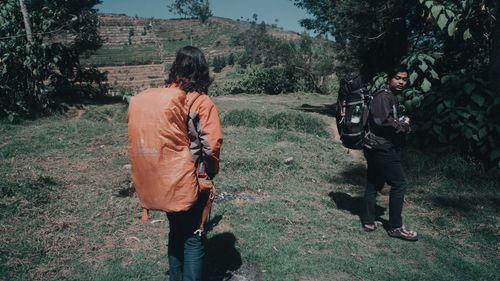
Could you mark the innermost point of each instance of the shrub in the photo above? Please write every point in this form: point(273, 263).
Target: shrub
point(271, 81)
point(283, 121)
point(244, 118)
point(299, 122)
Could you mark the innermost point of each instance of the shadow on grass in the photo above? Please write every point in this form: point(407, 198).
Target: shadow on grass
point(221, 257)
point(495, 202)
point(461, 204)
point(466, 204)
point(126, 190)
point(325, 109)
point(352, 175)
point(213, 222)
point(354, 205)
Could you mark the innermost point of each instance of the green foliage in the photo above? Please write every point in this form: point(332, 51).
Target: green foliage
point(301, 65)
point(244, 59)
point(422, 76)
point(199, 9)
point(231, 59)
point(370, 36)
point(272, 81)
point(464, 115)
point(458, 110)
point(36, 75)
point(452, 52)
point(219, 63)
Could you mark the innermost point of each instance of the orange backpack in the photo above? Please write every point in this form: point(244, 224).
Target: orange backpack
point(163, 171)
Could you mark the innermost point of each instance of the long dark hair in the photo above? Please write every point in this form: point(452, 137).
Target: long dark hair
point(190, 70)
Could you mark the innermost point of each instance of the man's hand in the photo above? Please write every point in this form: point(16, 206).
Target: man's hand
point(405, 119)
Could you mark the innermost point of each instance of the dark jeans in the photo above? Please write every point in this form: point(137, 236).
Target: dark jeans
point(384, 166)
point(185, 249)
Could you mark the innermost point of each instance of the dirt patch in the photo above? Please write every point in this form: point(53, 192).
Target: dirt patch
point(238, 197)
point(75, 112)
point(337, 276)
point(247, 272)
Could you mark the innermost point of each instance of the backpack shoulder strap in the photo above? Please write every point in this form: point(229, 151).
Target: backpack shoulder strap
point(193, 101)
point(394, 102)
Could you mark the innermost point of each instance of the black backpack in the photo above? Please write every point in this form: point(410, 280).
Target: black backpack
point(352, 110)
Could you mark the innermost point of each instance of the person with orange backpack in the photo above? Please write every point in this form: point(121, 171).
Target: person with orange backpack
point(175, 138)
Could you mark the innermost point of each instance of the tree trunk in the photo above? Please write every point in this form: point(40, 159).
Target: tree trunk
point(27, 25)
point(495, 54)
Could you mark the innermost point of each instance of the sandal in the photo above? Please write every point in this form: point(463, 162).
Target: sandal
point(403, 233)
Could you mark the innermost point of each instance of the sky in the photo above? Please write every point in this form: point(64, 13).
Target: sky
point(284, 11)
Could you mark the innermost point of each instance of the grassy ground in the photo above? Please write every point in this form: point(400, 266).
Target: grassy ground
point(68, 211)
point(124, 55)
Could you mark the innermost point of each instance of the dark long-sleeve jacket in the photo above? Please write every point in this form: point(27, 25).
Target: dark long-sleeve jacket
point(383, 120)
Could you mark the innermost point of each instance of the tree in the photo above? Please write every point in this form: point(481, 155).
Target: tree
point(37, 73)
point(244, 60)
point(450, 48)
point(280, 65)
point(254, 40)
point(199, 9)
point(361, 29)
point(222, 60)
point(495, 54)
point(231, 59)
point(255, 17)
point(218, 64)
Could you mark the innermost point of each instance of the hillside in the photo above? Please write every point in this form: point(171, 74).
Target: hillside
point(149, 43)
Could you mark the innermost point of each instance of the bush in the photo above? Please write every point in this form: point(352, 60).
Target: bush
point(243, 118)
point(463, 115)
point(283, 121)
point(299, 122)
point(274, 80)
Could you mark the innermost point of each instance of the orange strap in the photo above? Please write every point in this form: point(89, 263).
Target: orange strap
point(145, 216)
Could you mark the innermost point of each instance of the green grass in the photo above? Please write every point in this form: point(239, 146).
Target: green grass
point(289, 121)
point(147, 53)
point(66, 213)
point(203, 36)
point(124, 55)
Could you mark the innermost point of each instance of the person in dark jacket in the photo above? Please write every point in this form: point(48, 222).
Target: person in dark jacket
point(387, 129)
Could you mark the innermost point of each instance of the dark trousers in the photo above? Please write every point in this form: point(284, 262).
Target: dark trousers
point(185, 249)
point(384, 166)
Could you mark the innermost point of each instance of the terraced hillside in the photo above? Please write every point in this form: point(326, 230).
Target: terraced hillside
point(135, 76)
point(135, 49)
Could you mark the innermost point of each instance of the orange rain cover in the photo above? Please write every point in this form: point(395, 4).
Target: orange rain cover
point(163, 171)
